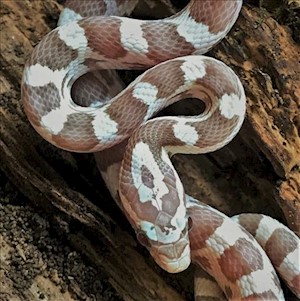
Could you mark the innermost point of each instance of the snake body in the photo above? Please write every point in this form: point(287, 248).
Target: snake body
point(66, 106)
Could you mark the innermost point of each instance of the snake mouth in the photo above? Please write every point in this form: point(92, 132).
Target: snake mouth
point(174, 257)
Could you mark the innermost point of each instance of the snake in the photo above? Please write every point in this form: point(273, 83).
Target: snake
point(74, 99)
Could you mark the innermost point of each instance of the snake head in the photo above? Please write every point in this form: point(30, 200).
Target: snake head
point(153, 199)
point(165, 237)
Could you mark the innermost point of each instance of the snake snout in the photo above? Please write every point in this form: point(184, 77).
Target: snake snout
point(174, 257)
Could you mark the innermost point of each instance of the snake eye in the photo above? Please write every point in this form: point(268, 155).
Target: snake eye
point(143, 239)
point(190, 223)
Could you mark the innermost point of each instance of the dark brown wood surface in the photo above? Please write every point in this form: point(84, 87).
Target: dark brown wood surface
point(257, 172)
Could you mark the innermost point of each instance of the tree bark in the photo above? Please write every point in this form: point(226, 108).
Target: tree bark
point(258, 172)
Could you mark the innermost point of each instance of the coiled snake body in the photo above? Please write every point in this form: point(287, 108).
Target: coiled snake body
point(89, 119)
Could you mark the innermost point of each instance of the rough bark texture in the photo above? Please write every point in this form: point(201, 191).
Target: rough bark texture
point(70, 209)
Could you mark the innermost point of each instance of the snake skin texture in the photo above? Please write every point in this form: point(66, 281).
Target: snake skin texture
point(74, 99)
point(150, 189)
point(72, 50)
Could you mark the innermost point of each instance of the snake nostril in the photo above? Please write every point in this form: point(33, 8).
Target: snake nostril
point(190, 223)
point(143, 239)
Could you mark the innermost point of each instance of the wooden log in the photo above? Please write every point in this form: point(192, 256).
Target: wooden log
point(257, 172)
